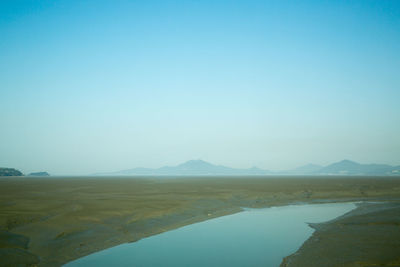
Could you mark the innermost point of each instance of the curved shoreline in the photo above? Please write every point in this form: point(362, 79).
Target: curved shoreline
point(366, 236)
point(68, 218)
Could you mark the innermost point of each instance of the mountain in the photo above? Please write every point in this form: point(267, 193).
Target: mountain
point(10, 172)
point(192, 167)
point(348, 167)
point(200, 167)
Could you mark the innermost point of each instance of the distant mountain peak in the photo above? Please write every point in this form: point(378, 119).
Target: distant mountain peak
point(348, 167)
point(195, 163)
point(193, 167)
point(344, 165)
point(346, 161)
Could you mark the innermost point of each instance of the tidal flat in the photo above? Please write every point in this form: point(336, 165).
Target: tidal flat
point(52, 221)
point(254, 237)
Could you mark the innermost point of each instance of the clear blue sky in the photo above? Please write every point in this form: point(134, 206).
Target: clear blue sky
point(91, 86)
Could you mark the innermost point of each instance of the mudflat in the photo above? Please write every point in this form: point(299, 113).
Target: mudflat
point(366, 236)
point(51, 221)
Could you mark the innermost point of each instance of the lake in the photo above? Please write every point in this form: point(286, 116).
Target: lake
point(254, 237)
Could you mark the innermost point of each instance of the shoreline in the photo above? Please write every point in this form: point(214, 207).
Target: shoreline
point(72, 218)
point(366, 236)
point(286, 261)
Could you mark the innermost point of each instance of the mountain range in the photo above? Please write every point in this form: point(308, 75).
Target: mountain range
point(192, 167)
point(200, 167)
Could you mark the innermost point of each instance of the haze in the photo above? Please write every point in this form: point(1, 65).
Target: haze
point(101, 86)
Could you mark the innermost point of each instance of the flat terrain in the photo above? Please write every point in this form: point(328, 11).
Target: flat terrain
point(50, 221)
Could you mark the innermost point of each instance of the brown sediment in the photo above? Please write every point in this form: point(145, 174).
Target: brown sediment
point(67, 218)
point(365, 237)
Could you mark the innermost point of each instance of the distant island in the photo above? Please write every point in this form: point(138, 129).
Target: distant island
point(15, 172)
point(10, 172)
point(39, 174)
point(200, 167)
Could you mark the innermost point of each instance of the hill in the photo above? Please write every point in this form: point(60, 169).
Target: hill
point(10, 172)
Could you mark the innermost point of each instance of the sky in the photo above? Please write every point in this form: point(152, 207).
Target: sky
point(96, 86)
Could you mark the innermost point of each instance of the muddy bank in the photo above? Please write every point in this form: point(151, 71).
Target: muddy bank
point(366, 236)
point(63, 219)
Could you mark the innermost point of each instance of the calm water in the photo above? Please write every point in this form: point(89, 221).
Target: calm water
point(255, 237)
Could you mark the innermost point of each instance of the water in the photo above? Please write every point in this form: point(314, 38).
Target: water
point(255, 237)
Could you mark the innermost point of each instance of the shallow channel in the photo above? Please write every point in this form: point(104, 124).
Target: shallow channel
point(254, 237)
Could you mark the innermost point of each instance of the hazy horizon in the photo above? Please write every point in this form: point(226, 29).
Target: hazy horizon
point(101, 86)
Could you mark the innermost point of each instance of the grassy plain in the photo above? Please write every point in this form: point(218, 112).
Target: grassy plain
point(51, 221)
